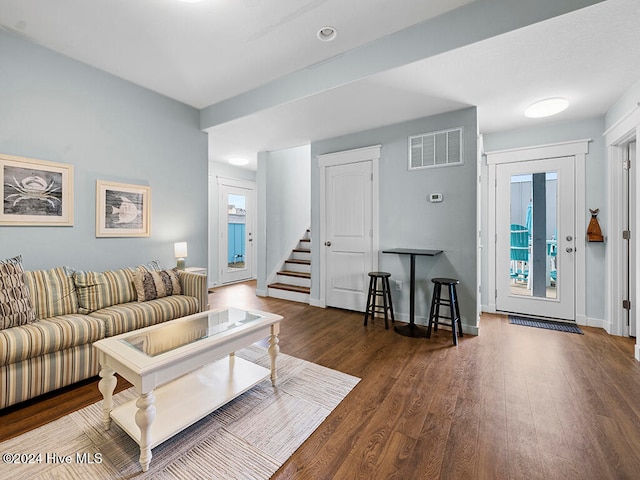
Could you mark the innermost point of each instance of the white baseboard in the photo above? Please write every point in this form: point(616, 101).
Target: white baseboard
point(261, 293)
point(610, 328)
point(316, 302)
point(593, 322)
point(488, 308)
point(637, 352)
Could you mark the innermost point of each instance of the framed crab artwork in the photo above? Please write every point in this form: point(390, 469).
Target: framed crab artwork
point(35, 192)
point(122, 210)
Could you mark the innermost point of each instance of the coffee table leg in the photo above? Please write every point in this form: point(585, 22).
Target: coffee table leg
point(107, 385)
point(144, 418)
point(273, 350)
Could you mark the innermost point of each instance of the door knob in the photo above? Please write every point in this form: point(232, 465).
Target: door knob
point(569, 249)
point(569, 238)
point(327, 243)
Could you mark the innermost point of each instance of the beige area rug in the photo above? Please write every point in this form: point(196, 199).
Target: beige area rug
point(249, 438)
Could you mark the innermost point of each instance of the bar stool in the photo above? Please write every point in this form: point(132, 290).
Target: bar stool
point(451, 303)
point(374, 292)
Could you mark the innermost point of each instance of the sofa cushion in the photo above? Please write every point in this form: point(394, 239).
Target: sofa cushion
point(97, 290)
point(130, 316)
point(52, 292)
point(152, 285)
point(15, 302)
point(48, 335)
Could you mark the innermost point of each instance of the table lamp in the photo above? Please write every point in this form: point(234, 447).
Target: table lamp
point(180, 251)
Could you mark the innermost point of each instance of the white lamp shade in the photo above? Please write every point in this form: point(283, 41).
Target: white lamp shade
point(180, 249)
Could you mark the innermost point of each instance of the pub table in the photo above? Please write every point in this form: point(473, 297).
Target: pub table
point(411, 329)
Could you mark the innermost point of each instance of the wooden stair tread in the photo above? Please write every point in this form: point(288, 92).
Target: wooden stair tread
point(294, 274)
point(291, 288)
point(305, 239)
point(301, 262)
point(302, 250)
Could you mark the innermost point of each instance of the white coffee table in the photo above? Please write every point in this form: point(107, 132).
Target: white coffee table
point(182, 370)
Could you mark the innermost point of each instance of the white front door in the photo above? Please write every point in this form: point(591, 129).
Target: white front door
point(349, 234)
point(236, 232)
point(535, 238)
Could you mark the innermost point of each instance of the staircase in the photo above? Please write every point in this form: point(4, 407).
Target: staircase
point(293, 280)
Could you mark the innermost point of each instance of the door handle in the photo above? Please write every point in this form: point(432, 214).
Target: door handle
point(569, 249)
point(327, 243)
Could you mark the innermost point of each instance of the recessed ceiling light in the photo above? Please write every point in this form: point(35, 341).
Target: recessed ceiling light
point(326, 34)
point(546, 107)
point(238, 161)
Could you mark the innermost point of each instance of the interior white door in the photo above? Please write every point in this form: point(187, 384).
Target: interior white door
point(236, 233)
point(535, 238)
point(349, 234)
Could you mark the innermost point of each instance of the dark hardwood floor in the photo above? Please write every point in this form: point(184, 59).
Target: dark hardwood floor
point(512, 403)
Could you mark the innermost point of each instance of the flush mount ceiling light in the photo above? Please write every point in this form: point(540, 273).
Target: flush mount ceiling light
point(238, 161)
point(326, 34)
point(546, 107)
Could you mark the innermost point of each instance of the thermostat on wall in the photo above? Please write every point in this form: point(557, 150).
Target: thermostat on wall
point(435, 197)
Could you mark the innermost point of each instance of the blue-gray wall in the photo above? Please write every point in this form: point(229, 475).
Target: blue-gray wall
point(285, 183)
point(57, 109)
point(408, 219)
point(595, 183)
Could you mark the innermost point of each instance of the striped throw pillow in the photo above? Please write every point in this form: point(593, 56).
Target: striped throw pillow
point(152, 285)
point(97, 290)
point(52, 292)
point(15, 303)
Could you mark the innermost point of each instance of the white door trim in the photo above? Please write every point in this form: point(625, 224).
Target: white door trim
point(578, 149)
point(371, 153)
point(616, 136)
point(236, 182)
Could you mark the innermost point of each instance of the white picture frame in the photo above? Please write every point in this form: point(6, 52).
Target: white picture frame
point(35, 192)
point(122, 210)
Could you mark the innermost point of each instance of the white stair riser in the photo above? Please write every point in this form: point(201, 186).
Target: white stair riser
point(301, 255)
point(296, 267)
point(288, 295)
point(289, 280)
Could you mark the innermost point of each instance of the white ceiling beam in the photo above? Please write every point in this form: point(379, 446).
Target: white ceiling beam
point(474, 22)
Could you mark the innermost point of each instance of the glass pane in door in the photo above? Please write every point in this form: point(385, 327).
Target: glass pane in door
point(237, 231)
point(533, 267)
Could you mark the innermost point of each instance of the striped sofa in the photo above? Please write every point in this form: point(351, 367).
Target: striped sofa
point(73, 310)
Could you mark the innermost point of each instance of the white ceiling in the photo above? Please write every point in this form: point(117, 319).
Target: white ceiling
point(207, 52)
point(202, 53)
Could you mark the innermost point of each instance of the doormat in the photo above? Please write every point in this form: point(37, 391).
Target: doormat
point(547, 324)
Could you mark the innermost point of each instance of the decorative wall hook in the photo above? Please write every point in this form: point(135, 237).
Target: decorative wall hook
point(594, 234)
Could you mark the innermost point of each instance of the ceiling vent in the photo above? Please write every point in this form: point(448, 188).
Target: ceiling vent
point(436, 149)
